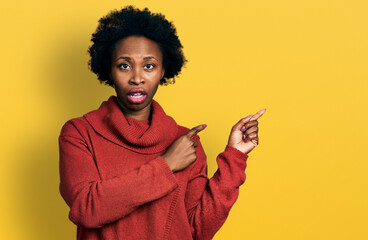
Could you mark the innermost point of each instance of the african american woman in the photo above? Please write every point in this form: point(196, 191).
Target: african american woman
point(127, 170)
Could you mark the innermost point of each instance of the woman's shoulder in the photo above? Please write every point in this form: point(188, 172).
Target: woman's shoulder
point(74, 127)
point(81, 125)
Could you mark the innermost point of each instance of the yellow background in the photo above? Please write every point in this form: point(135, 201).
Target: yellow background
point(304, 60)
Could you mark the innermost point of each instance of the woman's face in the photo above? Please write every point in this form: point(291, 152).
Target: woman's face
point(136, 71)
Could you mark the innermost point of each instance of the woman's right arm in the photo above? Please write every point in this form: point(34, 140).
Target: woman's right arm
point(94, 202)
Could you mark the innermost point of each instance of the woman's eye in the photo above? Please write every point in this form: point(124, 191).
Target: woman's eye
point(124, 66)
point(149, 66)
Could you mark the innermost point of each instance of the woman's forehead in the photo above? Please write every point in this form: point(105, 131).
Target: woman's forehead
point(137, 47)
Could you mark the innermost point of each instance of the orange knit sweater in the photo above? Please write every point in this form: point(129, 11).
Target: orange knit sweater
point(117, 185)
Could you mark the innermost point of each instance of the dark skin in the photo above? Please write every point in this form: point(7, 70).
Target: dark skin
point(137, 64)
point(243, 136)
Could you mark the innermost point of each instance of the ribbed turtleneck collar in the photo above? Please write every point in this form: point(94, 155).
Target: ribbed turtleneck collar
point(138, 136)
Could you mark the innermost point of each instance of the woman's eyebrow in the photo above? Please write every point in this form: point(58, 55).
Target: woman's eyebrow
point(145, 58)
point(128, 58)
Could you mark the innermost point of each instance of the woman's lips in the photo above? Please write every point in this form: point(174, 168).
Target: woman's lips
point(136, 96)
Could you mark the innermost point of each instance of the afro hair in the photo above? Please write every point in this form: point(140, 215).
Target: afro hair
point(131, 21)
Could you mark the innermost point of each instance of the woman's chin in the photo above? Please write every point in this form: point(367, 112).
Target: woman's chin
point(137, 104)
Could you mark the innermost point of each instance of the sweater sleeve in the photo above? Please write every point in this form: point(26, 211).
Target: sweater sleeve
point(208, 201)
point(94, 202)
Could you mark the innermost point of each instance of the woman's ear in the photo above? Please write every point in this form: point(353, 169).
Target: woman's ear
point(163, 73)
point(113, 84)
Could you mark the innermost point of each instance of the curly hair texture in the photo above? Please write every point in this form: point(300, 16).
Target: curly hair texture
point(131, 21)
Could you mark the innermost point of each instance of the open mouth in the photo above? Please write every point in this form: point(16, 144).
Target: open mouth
point(137, 96)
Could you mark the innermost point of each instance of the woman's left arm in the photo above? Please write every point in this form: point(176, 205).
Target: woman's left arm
point(208, 201)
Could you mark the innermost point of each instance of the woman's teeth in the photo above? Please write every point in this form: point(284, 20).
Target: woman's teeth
point(136, 95)
point(137, 98)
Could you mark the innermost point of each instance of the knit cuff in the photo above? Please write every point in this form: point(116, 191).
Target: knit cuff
point(167, 171)
point(237, 154)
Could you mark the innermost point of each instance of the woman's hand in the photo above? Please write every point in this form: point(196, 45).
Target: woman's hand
point(244, 135)
point(182, 152)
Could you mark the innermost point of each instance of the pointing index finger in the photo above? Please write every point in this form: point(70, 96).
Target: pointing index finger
point(192, 132)
point(257, 115)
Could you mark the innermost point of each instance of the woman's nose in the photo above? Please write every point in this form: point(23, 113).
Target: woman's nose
point(137, 77)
